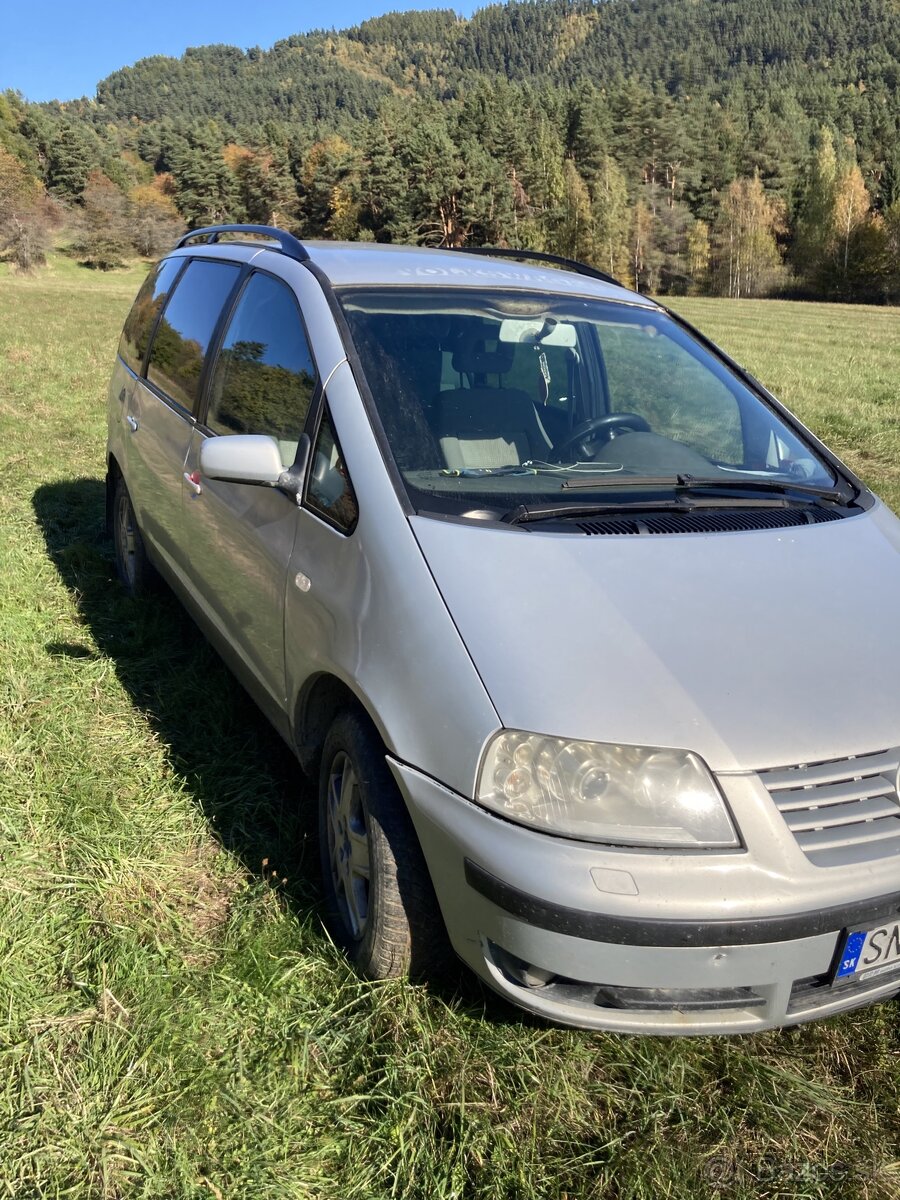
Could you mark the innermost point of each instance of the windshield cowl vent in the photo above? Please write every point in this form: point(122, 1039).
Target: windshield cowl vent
point(708, 520)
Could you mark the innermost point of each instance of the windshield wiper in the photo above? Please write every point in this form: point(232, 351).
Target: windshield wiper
point(685, 484)
point(524, 513)
point(776, 495)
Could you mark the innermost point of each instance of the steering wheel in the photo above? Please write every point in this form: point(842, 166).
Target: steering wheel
point(590, 431)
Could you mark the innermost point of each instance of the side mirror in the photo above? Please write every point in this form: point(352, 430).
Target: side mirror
point(242, 458)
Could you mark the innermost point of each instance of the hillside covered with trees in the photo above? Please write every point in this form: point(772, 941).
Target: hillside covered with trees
point(739, 147)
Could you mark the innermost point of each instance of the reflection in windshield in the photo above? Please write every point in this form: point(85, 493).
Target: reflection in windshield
point(502, 398)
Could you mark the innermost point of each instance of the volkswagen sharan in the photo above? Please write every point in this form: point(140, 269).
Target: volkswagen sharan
point(592, 648)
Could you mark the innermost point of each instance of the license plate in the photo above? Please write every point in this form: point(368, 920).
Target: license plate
point(869, 951)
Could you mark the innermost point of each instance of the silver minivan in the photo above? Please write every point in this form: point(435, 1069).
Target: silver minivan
point(592, 647)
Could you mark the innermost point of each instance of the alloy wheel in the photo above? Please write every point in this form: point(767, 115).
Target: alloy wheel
point(125, 538)
point(348, 845)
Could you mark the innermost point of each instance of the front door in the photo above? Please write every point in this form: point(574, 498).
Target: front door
point(241, 537)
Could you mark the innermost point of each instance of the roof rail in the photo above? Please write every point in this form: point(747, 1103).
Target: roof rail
point(571, 264)
point(287, 243)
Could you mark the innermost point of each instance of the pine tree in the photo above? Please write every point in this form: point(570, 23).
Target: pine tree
point(69, 162)
point(329, 182)
point(384, 200)
point(588, 132)
point(892, 252)
point(268, 195)
point(206, 190)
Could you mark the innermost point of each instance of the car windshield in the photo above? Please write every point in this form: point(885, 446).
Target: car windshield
point(493, 399)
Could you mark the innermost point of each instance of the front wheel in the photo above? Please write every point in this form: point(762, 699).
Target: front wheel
point(381, 906)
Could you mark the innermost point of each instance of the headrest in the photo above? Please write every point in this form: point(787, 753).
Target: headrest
point(476, 354)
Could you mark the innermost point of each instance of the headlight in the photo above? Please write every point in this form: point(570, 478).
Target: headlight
point(625, 795)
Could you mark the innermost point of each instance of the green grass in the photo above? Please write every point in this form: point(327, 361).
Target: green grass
point(837, 366)
point(175, 1021)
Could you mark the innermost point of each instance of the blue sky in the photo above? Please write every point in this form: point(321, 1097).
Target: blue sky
point(61, 49)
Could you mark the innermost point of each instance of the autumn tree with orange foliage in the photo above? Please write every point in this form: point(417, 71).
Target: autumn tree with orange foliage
point(27, 215)
point(155, 221)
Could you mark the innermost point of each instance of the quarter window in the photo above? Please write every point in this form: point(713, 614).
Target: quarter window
point(264, 377)
point(140, 321)
point(186, 328)
point(329, 491)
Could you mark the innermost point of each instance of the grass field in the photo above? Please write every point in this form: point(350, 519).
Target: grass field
point(176, 1023)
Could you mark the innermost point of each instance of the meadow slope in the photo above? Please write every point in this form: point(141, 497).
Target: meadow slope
point(176, 1023)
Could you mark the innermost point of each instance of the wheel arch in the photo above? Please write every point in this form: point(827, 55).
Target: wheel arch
point(318, 703)
point(113, 475)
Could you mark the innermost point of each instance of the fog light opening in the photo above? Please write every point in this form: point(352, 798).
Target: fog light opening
point(520, 972)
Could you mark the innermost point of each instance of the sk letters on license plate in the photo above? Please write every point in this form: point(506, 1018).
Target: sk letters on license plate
point(869, 951)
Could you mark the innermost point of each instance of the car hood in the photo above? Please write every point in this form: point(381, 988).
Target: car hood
point(754, 649)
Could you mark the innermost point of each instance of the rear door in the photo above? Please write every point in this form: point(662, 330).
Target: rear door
point(133, 346)
point(241, 537)
point(159, 413)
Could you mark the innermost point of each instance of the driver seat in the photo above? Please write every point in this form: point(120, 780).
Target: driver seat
point(484, 426)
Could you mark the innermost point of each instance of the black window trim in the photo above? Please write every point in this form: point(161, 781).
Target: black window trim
point(218, 340)
point(370, 408)
point(157, 391)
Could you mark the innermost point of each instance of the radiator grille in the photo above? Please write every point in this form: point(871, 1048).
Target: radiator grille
point(843, 811)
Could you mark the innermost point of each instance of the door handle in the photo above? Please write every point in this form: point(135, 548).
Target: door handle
point(132, 423)
point(192, 479)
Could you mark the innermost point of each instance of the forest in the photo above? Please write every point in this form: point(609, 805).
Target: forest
point(727, 147)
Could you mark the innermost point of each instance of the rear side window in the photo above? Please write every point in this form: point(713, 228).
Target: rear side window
point(186, 327)
point(264, 376)
point(140, 321)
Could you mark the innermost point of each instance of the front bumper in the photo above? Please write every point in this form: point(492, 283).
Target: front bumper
point(643, 942)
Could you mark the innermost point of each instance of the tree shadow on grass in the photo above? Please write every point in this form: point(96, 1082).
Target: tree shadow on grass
point(241, 775)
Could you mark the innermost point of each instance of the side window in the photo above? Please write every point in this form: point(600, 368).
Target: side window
point(649, 374)
point(140, 321)
point(329, 491)
point(264, 376)
point(187, 324)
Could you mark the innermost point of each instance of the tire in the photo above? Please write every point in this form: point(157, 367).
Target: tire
point(380, 905)
point(136, 573)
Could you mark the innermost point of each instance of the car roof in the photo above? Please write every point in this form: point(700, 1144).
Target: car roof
point(372, 264)
point(379, 264)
